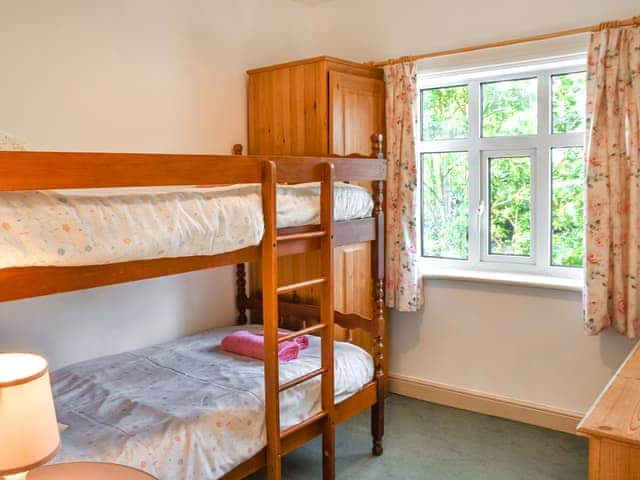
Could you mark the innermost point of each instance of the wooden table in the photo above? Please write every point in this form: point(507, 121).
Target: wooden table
point(612, 425)
point(88, 471)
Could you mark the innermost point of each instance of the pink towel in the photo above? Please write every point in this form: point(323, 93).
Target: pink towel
point(243, 342)
point(302, 340)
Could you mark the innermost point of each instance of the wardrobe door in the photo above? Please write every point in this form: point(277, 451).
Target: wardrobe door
point(287, 110)
point(356, 111)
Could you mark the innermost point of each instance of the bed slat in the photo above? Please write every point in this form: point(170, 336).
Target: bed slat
point(60, 170)
point(28, 282)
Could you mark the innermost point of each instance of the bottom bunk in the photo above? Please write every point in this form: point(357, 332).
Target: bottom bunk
point(188, 409)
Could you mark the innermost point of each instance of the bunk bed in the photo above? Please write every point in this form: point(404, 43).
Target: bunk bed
point(40, 172)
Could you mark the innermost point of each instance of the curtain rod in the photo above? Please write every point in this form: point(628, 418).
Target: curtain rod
point(534, 38)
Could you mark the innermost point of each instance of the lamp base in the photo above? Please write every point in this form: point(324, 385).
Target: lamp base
point(87, 471)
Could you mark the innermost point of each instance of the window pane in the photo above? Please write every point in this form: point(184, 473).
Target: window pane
point(567, 206)
point(510, 108)
point(445, 113)
point(569, 102)
point(510, 206)
point(445, 205)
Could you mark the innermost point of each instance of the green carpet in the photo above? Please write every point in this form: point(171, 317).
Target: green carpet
point(431, 442)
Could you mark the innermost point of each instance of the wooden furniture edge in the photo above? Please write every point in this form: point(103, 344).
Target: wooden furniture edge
point(65, 170)
point(26, 282)
point(320, 58)
point(586, 427)
point(305, 312)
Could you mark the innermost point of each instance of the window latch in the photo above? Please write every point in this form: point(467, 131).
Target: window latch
point(480, 213)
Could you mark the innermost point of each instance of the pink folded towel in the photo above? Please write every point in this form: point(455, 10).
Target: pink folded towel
point(302, 340)
point(243, 342)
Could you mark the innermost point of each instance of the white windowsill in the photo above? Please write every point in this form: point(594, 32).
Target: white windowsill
point(518, 279)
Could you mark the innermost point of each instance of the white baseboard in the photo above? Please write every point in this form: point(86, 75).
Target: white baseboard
point(474, 401)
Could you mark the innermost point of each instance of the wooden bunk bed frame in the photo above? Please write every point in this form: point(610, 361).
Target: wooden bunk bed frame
point(57, 170)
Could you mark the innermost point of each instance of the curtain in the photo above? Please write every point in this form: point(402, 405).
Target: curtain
point(612, 268)
point(403, 282)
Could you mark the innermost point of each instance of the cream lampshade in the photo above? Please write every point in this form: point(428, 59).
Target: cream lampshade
point(28, 427)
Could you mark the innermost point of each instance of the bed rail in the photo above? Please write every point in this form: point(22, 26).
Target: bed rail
point(306, 314)
point(63, 170)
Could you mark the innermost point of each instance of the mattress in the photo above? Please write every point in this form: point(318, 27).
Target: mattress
point(100, 226)
point(186, 409)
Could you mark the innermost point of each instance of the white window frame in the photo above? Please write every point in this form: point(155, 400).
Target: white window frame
point(479, 148)
point(484, 220)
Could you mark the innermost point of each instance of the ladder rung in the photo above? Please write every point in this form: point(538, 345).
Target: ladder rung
point(296, 286)
point(300, 236)
point(318, 416)
point(299, 380)
point(299, 333)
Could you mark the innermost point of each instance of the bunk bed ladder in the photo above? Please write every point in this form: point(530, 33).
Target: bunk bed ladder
point(270, 292)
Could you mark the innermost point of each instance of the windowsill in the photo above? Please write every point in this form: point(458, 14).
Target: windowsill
point(501, 278)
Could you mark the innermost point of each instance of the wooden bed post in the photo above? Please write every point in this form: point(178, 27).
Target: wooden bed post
point(241, 293)
point(270, 319)
point(241, 273)
point(377, 410)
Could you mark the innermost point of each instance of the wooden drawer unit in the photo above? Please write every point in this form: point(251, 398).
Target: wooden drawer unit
point(612, 425)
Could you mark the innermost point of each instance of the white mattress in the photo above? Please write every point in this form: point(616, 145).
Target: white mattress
point(99, 226)
point(186, 409)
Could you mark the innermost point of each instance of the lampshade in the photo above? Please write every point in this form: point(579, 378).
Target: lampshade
point(28, 428)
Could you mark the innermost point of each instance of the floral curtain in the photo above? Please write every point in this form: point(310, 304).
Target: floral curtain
point(403, 282)
point(612, 271)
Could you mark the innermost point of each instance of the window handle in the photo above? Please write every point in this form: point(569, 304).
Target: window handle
point(480, 213)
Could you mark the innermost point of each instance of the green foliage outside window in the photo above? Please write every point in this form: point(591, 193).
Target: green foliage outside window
point(510, 206)
point(445, 205)
point(569, 102)
point(510, 108)
point(567, 207)
point(445, 113)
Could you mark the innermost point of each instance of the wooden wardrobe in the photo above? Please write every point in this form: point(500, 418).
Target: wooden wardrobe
point(319, 106)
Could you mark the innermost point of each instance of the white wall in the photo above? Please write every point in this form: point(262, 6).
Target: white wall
point(524, 343)
point(378, 29)
point(132, 75)
point(137, 75)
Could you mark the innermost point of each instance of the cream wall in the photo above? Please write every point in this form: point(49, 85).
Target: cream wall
point(378, 29)
point(525, 344)
point(132, 75)
point(520, 343)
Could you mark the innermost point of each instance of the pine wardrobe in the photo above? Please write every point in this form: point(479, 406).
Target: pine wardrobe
point(320, 106)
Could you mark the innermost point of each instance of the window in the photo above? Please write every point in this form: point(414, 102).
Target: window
point(510, 205)
point(446, 205)
point(502, 169)
point(509, 107)
point(445, 113)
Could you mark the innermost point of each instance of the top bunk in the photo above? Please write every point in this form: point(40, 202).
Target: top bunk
point(72, 221)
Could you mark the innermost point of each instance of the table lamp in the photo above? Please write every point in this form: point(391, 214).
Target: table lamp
point(28, 427)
